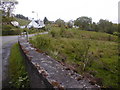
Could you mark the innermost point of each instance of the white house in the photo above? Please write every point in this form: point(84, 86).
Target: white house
point(22, 27)
point(14, 23)
point(36, 24)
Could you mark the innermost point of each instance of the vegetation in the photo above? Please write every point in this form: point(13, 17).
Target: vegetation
point(21, 16)
point(85, 23)
point(8, 7)
point(7, 28)
point(87, 52)
point(0, 23)
point(60, 22)
point(107, 26)
point(22, 22)
point(7, 20)
point(17, 71)
point(70, 24)
point(10, 30)
point(46, 21)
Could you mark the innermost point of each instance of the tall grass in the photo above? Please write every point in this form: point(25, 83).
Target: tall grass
point(91, 52)
point(81, 34)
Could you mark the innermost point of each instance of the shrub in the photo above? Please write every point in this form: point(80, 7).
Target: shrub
point(116, 33)
point(6, 29)
point(8, 19)
point(55, 33)
point(10, 30)
point(42, 42)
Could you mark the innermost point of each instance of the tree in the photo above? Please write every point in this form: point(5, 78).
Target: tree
point(105, 26)
point(8, 6)
point(21, 16)
point(70, 24)
point(94, 27)
point(115, 26)
point(83, 22)
point(60, 22)
point(46, 20)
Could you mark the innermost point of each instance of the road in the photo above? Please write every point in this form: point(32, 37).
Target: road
point(6, 43)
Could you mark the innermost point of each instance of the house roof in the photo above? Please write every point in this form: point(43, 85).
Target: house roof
point(36, 24)
point(37, 21)
point(14, 23)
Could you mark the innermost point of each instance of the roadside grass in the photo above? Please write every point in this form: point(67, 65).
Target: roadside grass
point(88, 52)
point(17, 70)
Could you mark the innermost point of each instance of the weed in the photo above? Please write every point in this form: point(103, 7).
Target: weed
point(86, 51)
point(17, 71)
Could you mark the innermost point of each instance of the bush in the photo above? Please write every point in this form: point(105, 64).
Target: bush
point(116, 33)
point(42, 42)
point(8, 19)
point(10, 30)
point(54, 33)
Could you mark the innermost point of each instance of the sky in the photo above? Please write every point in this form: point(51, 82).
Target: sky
point(69, 9)
point(119, 12)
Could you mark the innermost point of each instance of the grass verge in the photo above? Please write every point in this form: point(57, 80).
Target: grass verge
point(17, 70)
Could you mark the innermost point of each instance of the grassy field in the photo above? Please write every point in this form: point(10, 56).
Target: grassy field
point(22, 22)
point(17, 71)
point(85, 51)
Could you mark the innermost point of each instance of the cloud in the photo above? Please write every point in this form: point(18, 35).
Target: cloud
point(69, 9)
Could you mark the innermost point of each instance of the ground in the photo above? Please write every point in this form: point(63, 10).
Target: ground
point(7, 43)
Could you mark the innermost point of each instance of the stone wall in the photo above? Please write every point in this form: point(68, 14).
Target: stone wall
point(45, 72)
point(36, 79)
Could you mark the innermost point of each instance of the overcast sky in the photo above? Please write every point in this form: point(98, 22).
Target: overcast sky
point(69, 9)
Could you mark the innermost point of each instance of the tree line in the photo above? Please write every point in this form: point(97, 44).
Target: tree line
point(21, 16)
point(85, 23)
